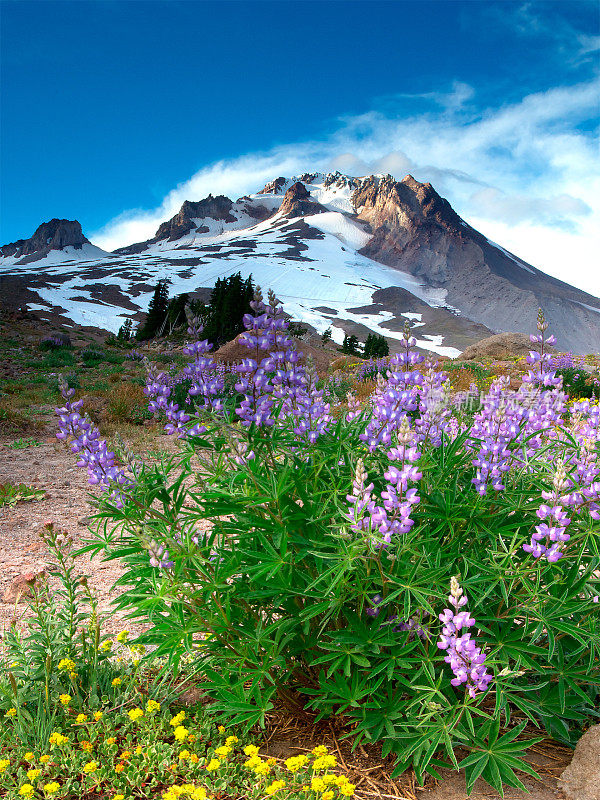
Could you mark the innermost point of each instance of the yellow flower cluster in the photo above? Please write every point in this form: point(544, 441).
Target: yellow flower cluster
point(294, 763)
point(135, 714)
point(66, 665)
point(186, 790)
point(321, 786)
point(58, 739)
point(178, 719)
point(65, 699)
point(274, 787)
point(180, 733)
point(152, 707)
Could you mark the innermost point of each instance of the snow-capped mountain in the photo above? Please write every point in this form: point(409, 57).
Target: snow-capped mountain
point(354, 254)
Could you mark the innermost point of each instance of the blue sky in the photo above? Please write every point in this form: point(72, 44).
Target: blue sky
point(114, 112)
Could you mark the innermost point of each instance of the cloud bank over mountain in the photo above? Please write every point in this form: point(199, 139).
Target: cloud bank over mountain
point(525, 173)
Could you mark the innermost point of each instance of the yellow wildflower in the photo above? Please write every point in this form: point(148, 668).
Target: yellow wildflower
point(72, 675)
point(328, 795)
point(125, 755)
point(180, 733)
point(253, 762)
point(251, 750)
point(119, 797)
point(111, 740)
point(135, 713)
point(198, 793)
point(177, 719)
point(221, 728)
point(317, 785)
point(51, 788)
point(223, 751)
point(29, 756)
point(86, 747)
point(194, 759)
point(294, 763)
point(44, 759)
point(231, 740)
point(324, 762)
point(4, 763)
point(26, 790)
point(119, 767)
point(58, 739)
point(138, 750)
point(347, 789)
point(152, 707)
point(32, 774)
point(98, 716)
point(122, 637)
point(65, 699)
point(192, 738)
point(117, 681)
point(263, 768)
point(11, 712)
point(277, 785)
point(320, 750)
point(106, 646)
point(185, 754)
point(213, 764)
point(91, 766)
point(66, 665)
point(81, 718)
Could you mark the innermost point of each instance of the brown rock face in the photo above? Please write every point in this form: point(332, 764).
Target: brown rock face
point(581, 779)
point(499, 347)
point(214, 207)
point(417, 231)
point(273, 187)
point(297, 202)
point(54, 235)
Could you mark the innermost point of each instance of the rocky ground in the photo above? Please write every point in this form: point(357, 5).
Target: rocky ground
point(50, 467)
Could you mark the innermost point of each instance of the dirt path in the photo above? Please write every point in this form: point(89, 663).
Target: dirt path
point(50, 467)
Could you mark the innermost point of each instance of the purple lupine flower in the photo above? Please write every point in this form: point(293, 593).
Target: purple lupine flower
point(84, 439)
point(466, 660)
point(277, 381)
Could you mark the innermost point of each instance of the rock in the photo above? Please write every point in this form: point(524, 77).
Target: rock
point(581, 779)
point(297, 202)
point(500, 347)
point(54, 235)
point(23, 586)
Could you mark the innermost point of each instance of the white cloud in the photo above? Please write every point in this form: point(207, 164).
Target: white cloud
point(524, 173)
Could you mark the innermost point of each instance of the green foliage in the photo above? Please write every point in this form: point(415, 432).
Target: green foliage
point(350, 345)
point(22, 444)
point(91, 356)
point(376, 346)
point(326, 336)
point(297, 330)
point(229, 301)
point(280, 584)
point(11, 494)
point(125, 331)
point(156, 317)
point(578, 383)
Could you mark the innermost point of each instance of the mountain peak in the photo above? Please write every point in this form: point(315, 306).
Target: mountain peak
point(57, 234)
point(297, 202)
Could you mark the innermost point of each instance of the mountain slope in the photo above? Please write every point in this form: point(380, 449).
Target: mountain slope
point(356, 254)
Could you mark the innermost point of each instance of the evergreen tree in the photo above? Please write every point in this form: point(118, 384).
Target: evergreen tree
point(176, 311)
point(157, 312)
point(125, 333)
point(326, 336)
point(229, 301)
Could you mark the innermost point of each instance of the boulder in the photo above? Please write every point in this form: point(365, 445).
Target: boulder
point(233, 353)
point(500, 347)
point(23, 586)
point(581, 779)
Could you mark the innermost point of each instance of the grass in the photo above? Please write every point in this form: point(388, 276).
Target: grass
point(11, 494)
